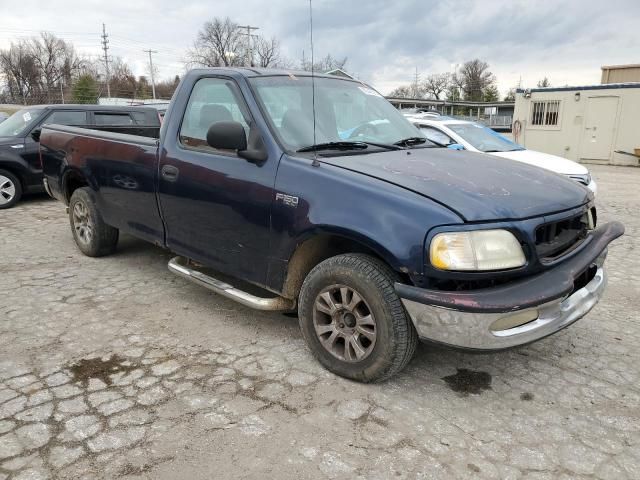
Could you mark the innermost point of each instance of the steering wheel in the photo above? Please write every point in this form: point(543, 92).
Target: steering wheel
point(363, 129)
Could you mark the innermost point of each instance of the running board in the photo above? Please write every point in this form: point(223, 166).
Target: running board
point(180, 266)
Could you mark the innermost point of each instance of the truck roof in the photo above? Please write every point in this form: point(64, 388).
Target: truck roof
point(251, 72)
point(86, 106)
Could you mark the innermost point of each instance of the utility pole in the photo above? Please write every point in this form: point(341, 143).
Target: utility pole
point(105, 47)
point(61, 92)
point(415, 84)
point(153, 80)
point(249, 29)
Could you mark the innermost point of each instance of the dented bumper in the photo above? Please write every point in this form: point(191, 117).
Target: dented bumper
point(517, 313)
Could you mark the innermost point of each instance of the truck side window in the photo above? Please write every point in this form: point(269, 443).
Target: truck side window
point(212, 100)
point(67, 117)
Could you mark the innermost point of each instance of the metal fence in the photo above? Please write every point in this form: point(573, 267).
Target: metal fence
point(488, 120)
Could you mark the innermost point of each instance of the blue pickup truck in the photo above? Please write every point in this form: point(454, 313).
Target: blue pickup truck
point(313, 193)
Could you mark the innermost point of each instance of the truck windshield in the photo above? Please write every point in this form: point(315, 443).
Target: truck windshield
point(18, 124)
point(483, 138)
point(345, 111)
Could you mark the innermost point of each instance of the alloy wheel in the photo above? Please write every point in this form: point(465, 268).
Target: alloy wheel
point(344, 323)
point(7, 190)
point(82, 223)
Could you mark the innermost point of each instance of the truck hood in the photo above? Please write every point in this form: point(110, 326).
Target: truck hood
point(476, 186)
point(544, 160)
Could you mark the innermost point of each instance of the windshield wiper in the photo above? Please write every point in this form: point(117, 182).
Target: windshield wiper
point(343, 145)
point(410, 141)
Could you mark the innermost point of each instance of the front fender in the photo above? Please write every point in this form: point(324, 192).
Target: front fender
point(386, 218)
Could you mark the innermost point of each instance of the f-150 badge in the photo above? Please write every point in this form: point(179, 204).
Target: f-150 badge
point(288, 200)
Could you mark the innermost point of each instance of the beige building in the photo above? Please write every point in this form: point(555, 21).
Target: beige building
point(621, 73)
point(597, 124)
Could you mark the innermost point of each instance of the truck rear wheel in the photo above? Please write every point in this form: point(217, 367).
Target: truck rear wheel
point(93, 237)
point(353, 320)
point(10, 189)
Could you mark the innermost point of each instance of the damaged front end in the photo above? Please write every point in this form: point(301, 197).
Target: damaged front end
point(566, 286)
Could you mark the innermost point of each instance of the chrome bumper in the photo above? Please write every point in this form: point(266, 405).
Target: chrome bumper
point(472, 330)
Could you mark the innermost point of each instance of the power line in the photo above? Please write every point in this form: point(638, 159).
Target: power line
point(105, 47)
point(249, 35)
point(153, 82)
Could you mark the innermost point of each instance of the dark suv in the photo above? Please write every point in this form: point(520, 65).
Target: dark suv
point(20, 169)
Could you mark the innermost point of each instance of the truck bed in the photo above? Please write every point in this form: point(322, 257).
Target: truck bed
point(123, 168)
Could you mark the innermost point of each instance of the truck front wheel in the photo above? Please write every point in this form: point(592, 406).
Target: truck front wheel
point(353, 320)
point(93, 237)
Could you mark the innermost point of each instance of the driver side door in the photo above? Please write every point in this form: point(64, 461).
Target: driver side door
point(216, 206)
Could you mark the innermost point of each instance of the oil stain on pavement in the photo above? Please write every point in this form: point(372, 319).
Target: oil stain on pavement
point(467, 382)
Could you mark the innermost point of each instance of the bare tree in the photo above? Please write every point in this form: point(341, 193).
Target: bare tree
point(325, 64)
point(219, 43)
point(20, 71)
point(455, 88)
point(436, 84)
point(403, 91)
point(477, 78)
point(56, 61)
point(268, 52)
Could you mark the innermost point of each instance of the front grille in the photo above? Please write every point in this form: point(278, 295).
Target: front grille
point(555, 239)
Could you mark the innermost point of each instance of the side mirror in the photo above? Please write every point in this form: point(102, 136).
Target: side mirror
point(227, 136)
point(35, 134)
point(455, 146)
point(231, 136)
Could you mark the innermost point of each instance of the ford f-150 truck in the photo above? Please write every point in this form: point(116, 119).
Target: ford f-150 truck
point(20, 169)
point(313, 192)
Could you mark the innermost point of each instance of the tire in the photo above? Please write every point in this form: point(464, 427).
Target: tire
point(10, 189)
point(93, 237)
point(390, 338)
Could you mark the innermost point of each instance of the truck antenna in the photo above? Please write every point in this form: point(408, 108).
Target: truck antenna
point(313, 86)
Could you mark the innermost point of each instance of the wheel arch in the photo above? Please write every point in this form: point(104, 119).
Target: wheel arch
point(72, 179)
point(317, 245)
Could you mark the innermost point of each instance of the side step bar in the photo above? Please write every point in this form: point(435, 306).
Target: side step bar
point(180, 266)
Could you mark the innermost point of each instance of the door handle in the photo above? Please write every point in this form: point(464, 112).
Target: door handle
point(169, 173)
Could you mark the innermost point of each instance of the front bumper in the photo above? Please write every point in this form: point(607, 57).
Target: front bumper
point(476, 320)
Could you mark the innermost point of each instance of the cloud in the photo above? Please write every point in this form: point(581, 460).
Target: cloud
point(384, 41)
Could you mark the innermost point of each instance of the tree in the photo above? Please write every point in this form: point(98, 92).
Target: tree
point(219, 43)
point(20, 71)
point(143, 88)
point(325, 64)
point(491, 94)
point(165, 88)
point(456, 87)
point(56, 61)
point(436, 84)
point(511, 95)
point(544, 83)
point(85, 90)
point(36, 69)
point(267, 51)
point(122, 81)
point(403, 91)
point(476, 77)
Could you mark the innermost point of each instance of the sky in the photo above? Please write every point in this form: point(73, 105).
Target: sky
point(384, 41)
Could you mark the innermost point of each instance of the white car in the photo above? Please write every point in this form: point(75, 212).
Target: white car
point(479, 138)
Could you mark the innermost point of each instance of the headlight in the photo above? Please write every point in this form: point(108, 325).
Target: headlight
point(477, 250)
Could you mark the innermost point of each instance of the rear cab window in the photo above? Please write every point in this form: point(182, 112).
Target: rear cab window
point(113, 118)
